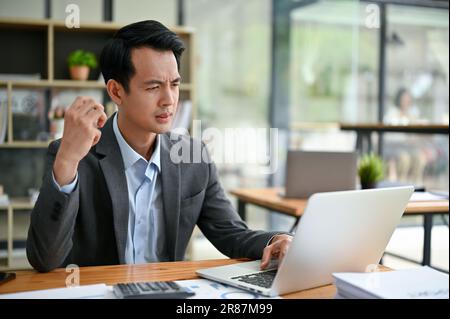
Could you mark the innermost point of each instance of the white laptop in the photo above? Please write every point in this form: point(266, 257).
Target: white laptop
point(339, 232)
point(308, 173)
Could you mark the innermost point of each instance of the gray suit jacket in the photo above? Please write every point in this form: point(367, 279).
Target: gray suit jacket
point(89, 226)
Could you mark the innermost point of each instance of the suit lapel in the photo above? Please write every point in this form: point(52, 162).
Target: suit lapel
point(170, 183)
point(114, 173)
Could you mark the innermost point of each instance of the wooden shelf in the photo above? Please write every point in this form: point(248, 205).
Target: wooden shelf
point(70, 84)
point(25, 144)
point(412, 128)
point(21, 203)
point(18, 203)
point(24, 23)
point(298, 126)
point(56, 84)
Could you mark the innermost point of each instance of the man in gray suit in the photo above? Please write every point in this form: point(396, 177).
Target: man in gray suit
point(112, 193)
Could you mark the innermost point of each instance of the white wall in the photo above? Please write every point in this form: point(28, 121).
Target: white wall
point(90, 10)
point(22, 9)
point(127, 11)
point(124, 11)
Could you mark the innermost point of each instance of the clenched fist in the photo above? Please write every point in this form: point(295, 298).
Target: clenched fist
point(82, 122)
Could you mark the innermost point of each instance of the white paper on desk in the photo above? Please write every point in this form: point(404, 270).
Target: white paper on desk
point(208, 289)
point(82, 292)
point(426, 196)
point(417, 283)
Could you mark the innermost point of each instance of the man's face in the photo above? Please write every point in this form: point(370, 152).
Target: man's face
point(152, 99)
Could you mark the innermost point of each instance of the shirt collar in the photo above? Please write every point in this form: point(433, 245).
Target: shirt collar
point(129, 155)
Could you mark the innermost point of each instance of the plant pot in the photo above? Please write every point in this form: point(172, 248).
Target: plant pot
point(368, 185)
point(79, 72)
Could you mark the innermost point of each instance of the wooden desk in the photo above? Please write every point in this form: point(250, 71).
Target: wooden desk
point(364, 131)
point(32, 280)
point(414, 128)
point(269, 198)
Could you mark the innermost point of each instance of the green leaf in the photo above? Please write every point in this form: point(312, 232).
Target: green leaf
point(81, 57)
point(371, 169)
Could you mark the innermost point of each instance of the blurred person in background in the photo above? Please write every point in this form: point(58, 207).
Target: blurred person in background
point(407, 156)
point(403, 112)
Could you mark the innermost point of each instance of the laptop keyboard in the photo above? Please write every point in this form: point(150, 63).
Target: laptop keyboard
point(262, 279)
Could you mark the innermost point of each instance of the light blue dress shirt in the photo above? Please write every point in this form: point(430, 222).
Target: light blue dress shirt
point(145, 238)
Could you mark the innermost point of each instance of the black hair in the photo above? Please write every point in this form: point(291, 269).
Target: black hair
point(115, 59)
point(398, 97)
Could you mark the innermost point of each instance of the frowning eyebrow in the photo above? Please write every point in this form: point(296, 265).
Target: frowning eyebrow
point(150, 82)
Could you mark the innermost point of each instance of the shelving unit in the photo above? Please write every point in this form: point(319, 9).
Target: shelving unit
point(50, 43)
point(41, 47)
point(16, 204)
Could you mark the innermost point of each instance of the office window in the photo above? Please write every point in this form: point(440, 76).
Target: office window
point(233, 76)
point(233, 46)
point(333, 72)
point(233, 72)
point(128, 11)
point(417, 61)
point(333, 63)
point(417, 79)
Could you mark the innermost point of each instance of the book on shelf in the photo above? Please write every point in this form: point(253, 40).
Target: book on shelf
point(3, 120)
point(4, 199)
point(418, 283)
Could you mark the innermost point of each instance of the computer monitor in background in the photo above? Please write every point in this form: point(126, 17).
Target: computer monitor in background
point(317, 172)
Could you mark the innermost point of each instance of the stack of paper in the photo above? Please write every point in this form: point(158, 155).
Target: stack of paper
point(100, 291)
point(3, 117)
point(420, 283)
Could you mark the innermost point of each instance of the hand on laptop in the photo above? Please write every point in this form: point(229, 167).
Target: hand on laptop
point(277, 249)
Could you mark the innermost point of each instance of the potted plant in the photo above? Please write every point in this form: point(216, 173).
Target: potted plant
point(80, 62)
point(370, 170)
